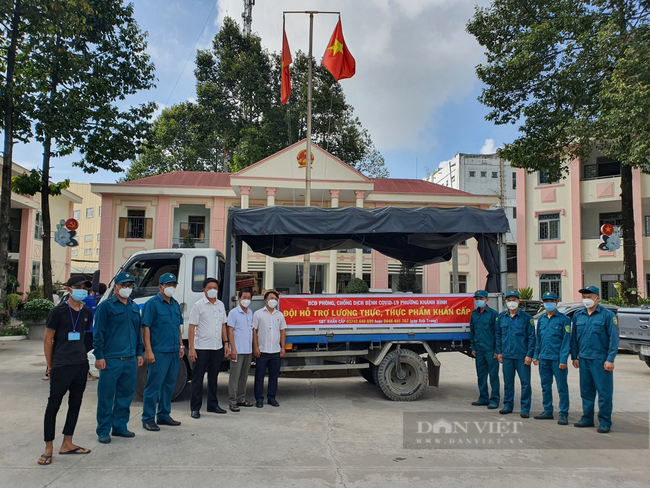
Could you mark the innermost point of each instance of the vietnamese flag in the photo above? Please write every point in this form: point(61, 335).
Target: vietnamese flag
point(286, 62)
point(337, 58)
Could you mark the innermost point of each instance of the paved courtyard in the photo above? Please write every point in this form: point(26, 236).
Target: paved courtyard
point(328, 432)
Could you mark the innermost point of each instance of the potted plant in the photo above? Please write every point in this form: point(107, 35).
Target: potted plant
point(34, 314)
point(13, 301)
point(17, 332)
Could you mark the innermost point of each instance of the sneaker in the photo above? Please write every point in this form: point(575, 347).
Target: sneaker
point(544, 416)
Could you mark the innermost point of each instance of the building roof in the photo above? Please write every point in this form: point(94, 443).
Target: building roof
point(396, 185)
point(184, 178)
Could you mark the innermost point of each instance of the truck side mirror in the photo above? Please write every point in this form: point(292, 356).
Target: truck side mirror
point(96, 281)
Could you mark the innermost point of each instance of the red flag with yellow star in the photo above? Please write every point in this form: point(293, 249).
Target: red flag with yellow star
point(338, 59)
point(286, 74)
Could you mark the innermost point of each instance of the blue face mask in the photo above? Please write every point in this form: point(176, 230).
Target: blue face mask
point(480, 303)
point(79, 295)
point(550, 306)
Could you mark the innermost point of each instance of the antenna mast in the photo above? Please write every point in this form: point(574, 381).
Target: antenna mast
point(247, 15)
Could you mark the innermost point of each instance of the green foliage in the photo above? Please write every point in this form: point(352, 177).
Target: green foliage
point(357, 285)
point(19, 330)
point(525, 293)
point(238, 120)
point(35, 310)
point(12, 284)
point(13, 301)
point(407, 280)
point(32, 183)
point(4, 317)
point(35, 293)
point(189, 241)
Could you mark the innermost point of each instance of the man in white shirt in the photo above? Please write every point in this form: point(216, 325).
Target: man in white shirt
point(208, 343)
point(268, 347)
point(240, 333)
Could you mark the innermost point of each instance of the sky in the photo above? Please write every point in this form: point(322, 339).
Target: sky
point(415, 87)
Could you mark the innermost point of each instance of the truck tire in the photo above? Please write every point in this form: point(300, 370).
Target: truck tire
point(181, 381)
point(415, 376)
point(369, 374)
point(647, 361)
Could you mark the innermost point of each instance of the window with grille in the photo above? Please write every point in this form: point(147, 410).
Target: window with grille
point(135, 226)
point(88, 238)
point(462, 283)
point(98, 237)
point(74, 252)
point(514, 180)
point(549, 227)
point(38, 226)
point(90, 212)
point(614, 218)
point(88, 252)
point(552, 283)
point(36, 273)
point(544, 178)
point(75, 214)
point(604, 168)
point(483, 174)
point(495, 174)
point(472, 174)
point(607, 288)
point(195, 226)
point(646, 226)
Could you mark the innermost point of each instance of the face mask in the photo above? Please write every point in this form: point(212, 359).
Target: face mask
point(550, 306)
point(213, 293)
point(588, 302)
point(480, 303)
point(79, 295)
point(273, 303)
point(125, 292)
point(512, 305)
point(169, 291)
point(245, 303)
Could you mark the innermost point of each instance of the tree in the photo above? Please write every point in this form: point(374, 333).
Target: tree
point(407, 280)
point(576, 73)
point(84, 66)
point(238, 119)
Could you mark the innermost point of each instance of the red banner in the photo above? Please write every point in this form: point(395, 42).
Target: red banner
point(376, 310)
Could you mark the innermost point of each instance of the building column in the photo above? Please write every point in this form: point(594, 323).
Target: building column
point(638, 230)
point(245, 193)
point(575, 282)
point(163, 233)
point(269, 277)
point(358, 261)
point(334, 255)
point(522, 215)
point(108, 235)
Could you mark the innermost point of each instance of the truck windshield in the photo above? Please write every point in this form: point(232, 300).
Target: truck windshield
point(147, 272)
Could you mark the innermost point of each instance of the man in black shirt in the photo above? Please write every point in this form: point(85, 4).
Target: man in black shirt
point(67, 365)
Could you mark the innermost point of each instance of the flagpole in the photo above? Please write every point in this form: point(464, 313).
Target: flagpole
point(306, 267)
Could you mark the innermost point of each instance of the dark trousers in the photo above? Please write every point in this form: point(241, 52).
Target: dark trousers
point(207, 360)
point(65, 379)
point(272, 363)
point(115, 394)
point(161, 383)
point(488, 365)
point(594, 378)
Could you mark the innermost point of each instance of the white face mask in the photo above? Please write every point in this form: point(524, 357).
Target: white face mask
point(245, 303)
point(213, 293)
point(273, 303)
point(125, 292)
point(588, 302)
point(169, 291)
point(512, 305)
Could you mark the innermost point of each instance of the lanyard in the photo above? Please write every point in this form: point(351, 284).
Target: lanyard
point(514, 322)
point(72, 320)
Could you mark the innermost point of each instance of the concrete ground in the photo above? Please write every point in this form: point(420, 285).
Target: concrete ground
point(328, 432)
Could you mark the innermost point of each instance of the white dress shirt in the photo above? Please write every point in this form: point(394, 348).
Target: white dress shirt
point(268, 326)
point(242, 325)
point(210, 319)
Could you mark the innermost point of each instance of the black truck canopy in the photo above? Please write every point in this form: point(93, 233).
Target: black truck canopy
point(414, 236)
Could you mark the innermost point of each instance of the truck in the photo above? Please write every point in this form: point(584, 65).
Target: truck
point(634, 330)
point(392, 340)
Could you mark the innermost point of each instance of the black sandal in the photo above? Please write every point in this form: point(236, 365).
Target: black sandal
point(234, 408)
point(47, 459)
point(244, 404)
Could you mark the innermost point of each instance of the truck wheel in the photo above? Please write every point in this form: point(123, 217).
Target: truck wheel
point(369, 374)
point(647, 361)
point(408, 385)
point(181, 381)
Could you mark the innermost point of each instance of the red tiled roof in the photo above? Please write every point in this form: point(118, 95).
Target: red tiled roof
point(395, 185)
point(184, 178)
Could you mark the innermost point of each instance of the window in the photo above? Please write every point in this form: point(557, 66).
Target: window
point(549, 227)
point(36, 274)
point(544, 179)
point(146, 272)
point(135, 226)
point(99, 211)
point(74, 252)
point(552, 283)
point(38, 226)
point(88, 238)
point(90, 212)
point(514, 180)
point(495, 174)
point(462, 283)
point(646, 227)
point(472, 174)
point(514, 212)
point(98, 237)
point(87, 252)
point(75, 214)
point(195, 226)
point(199, 273)
point(463, 243)
point(607, 288)
point(614, 218)
point(483, 174)
point(604, 168)
point(97, 251)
